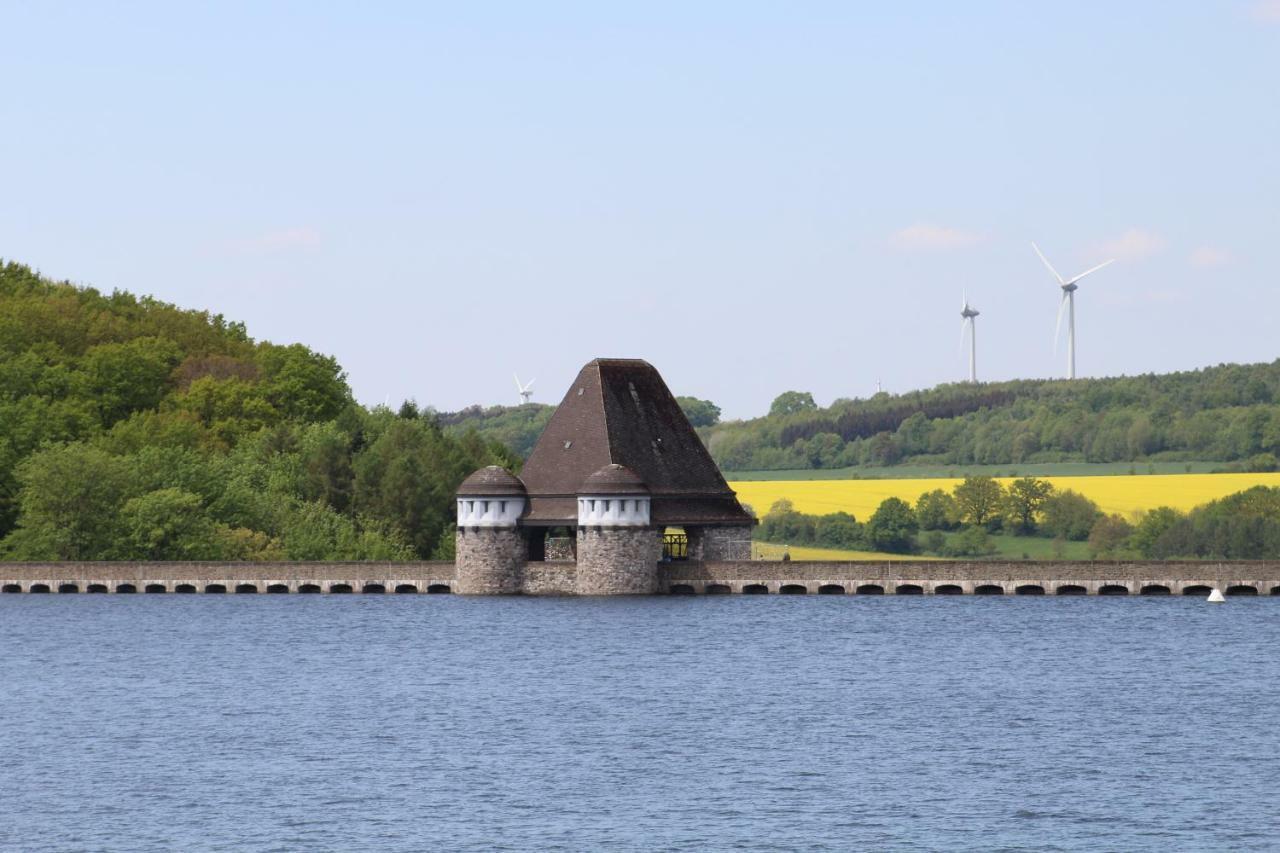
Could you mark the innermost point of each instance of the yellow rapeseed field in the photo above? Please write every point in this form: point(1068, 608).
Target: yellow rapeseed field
point(1128, 495)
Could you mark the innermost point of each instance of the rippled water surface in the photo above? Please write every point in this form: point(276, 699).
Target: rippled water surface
point(427, 722)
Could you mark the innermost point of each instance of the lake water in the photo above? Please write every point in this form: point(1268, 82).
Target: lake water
point(426, 722)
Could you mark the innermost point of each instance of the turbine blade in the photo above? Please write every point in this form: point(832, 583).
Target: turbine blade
point(1095, 269)
point(964, 327)
point(518, 385)
point(1046, 263)
point(530, 385)
point(1057, 331)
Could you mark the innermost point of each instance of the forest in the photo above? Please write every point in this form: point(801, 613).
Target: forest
point(133, 429)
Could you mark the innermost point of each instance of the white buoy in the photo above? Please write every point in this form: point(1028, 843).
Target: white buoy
point(1216, 597)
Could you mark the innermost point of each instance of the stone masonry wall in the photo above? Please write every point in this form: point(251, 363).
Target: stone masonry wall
point(716, 544)
point(550, 578)
point(618, 560)
point(490, 560)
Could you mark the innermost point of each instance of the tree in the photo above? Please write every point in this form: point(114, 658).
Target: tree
point(792, 402)
point(1109, 536)
point(167, 524)
point(1023, 501)
point(1148, 537)
point(1068, 514)
point(69, 502)
point(701, 413)
point(892, 527)
point(936, 510)
point(978, 498)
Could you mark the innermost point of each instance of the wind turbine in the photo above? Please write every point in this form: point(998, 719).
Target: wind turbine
point(1069, 289)
point(524, 388)
point(967, 324)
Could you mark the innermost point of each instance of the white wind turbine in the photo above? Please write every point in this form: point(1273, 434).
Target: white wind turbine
point(967, 324)
point(525, 388)
point(1069, 289)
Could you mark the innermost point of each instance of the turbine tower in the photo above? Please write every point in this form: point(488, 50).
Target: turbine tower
point(524, 388)
point(967, 324)
point(1068, 302)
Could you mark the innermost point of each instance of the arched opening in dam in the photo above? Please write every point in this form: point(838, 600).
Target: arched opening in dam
point(339, 588)
point(755, 589)
point(11, 588)
point(155, 588)
point(97, 588)
point(1113, 589)
point(373, 589)
point(1029, 589)
point(1242, 589)
point(185, 588)
point(717, 589)
point(65, 588)
point(948, 589)
point(215, 588)
point(1155, 589)
point(39, 587)
point(125, 589)
point(278, 589)
point(439, 589)
point(1197, 589)
point(1072, 589)
point(1275, 590)
point(831, 589)
point(681, 589)
point(309, 589)
point(909, 589)
point(988, 589)
point(792, 589)
point(869, 589)
point(246, 589)
point(406, 589)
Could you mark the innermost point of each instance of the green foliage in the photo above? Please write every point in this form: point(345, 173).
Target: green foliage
point(792, 403)
point(131, 429)
point(971, 542)
point(1229, 414)
point(515, 427)
point(701, 413)
point(978, 500)
point(1109, 536)
point(1069, 515)
point(892, 527)
point(937, 510)
point(1023, 501)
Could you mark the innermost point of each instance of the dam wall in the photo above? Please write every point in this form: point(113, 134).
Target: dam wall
point(979, 577)
point(759, 577)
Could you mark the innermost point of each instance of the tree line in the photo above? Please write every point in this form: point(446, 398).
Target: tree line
point(132, 429)
point(1229, 414)
point(1242, 526)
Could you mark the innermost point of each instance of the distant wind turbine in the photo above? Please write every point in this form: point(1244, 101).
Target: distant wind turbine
point(967, 324)
point(1069, 289)
point(525, 388)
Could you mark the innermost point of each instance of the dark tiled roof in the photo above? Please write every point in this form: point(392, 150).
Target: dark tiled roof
point(619, 411)
point(492, 481)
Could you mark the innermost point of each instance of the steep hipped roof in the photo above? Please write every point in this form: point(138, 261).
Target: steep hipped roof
point(613, 479)
point(491, 481)
point(619, 411)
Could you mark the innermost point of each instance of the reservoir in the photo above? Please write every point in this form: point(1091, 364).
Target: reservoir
point(382, 722)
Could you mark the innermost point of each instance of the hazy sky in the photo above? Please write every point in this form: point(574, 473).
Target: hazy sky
point(754, 197)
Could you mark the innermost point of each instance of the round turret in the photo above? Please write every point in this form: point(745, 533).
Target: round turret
point(613, 497)
point(491, 497)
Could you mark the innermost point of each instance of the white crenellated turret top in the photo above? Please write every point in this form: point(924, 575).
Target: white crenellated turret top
point(613, 497)
point(491, 497)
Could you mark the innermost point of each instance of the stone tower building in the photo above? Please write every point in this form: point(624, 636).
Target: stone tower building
point(617, 466)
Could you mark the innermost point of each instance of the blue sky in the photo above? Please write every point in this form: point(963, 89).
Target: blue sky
point(753, 196)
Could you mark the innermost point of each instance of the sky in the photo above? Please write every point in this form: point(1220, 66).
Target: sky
point(754, 197)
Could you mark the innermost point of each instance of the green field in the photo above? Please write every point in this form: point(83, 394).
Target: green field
point(1042, 469)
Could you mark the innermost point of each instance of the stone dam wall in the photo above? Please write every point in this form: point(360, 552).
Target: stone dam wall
point(691, 577)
